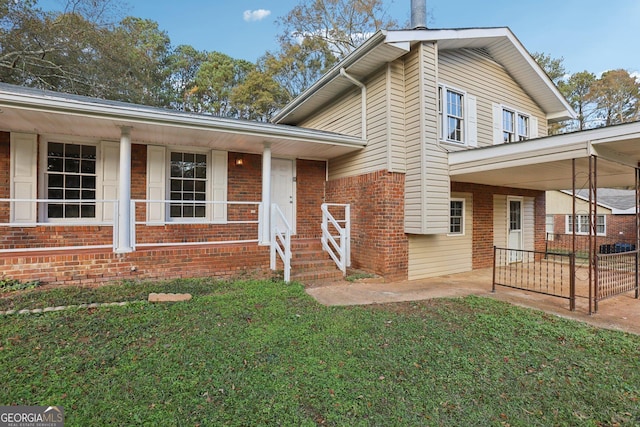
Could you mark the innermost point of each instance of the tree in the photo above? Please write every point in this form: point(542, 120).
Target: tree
point(552, 66)
point(214, 82)
point(258, 97)
point(341, 24)
point(297, 66)
point(577, 90)
point(183, 65)
point(617, 95)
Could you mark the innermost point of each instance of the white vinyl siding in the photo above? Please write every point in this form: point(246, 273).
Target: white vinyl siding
point(501, 224)
point(437, 255)
point(476, 73)
point(385, 133)
point(24, 176)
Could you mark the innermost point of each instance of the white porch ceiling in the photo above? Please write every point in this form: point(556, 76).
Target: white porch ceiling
point(546, 163)
point(49, 113)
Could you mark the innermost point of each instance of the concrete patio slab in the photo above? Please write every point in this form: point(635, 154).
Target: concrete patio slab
point(620, 313)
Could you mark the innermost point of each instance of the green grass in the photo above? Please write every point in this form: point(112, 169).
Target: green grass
point(264, 353)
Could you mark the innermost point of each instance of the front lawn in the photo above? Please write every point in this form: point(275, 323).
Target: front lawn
point(264, 353)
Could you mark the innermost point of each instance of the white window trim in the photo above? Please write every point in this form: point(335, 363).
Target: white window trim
point(581, 233)
point(498, 123)
point(42, 179)
point(161, 189)
point(442, 119)
point(463, 219)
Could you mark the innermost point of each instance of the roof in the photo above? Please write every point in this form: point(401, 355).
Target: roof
point(45, 112)
point(387, 46)
point(620, 201)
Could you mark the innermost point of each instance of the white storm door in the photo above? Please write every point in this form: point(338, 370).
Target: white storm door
point(515, 229)
point(282, 187)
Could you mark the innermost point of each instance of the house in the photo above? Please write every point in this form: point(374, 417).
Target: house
point(615, 219)
point(431, 144)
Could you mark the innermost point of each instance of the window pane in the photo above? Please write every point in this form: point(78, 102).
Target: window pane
point(176, 185)
point(54, 211)
point(89, 152)
point(71, 211)
point(72, 194)
point(72, 151)
point(176, 211)
point(187, 185)
point(89, 166)
point(72, 165)
point(88, 195)
point(88, 211)
point(201, 186)
point(55, 193)
point(187, 211)
point(200, 211)
point(72, 181)
point(55, 165)
point(55, 149)
point(89, 182)
point(55, 180)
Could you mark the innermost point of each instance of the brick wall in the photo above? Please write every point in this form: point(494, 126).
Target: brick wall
point(99, 266)
point(619, 229)
point(310, 188)
point(483, 218)
point(378, 241)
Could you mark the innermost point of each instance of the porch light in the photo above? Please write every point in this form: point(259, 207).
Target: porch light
point(239, 161)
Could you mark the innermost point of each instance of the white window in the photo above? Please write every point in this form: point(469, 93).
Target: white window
point(511, 125)
point(457, 116)
point(582, 224)
point(456, 217)
point(515, 126)
point(188, 184)
point(71, 175)
point(189, 180)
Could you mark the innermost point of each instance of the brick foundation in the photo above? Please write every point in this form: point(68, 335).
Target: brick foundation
point(378, 241)
point(82, 267)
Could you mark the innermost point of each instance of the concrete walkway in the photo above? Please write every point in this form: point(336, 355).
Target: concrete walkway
point(620, 313)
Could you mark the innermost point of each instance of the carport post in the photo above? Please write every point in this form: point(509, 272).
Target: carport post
point(124, 196)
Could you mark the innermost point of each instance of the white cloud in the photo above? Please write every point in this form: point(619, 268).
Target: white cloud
point(255, 15)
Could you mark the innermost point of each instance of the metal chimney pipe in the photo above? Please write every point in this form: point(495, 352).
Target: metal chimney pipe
point(419, 14)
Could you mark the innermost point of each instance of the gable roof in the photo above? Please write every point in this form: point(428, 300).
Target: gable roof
point(620, 201)
point(30, 110)
point(387, 46)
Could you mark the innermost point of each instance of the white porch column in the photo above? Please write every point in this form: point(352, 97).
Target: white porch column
point(265, 238)
point(124, 193)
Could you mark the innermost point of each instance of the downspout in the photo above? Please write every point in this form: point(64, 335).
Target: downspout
point(363, 90)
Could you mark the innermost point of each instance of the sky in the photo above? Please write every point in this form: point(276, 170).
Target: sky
point(591, 35)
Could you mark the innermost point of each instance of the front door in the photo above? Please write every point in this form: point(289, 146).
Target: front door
point(515, 229)
point(282, 187)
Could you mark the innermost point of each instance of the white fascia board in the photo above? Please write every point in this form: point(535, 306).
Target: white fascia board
point(473, 34)
point(129, 114)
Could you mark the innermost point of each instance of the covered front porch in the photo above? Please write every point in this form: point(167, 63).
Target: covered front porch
point(588, 160)
point(98, 190)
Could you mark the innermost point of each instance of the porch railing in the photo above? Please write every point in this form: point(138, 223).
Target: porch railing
point(280, 241)
point(336, 233)
point(540, 272)
point(212, 213)
point(616, 273)
point(97, 213)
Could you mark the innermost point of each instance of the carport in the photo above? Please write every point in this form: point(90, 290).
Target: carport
point(587, 160)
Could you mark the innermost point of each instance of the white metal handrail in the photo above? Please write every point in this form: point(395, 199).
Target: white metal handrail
point(207, 219)
point(39, 206)
point(280, 241)
point(336, 238)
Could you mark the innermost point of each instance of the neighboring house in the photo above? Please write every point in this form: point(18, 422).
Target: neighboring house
point(615, 218)
point(434, 138)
